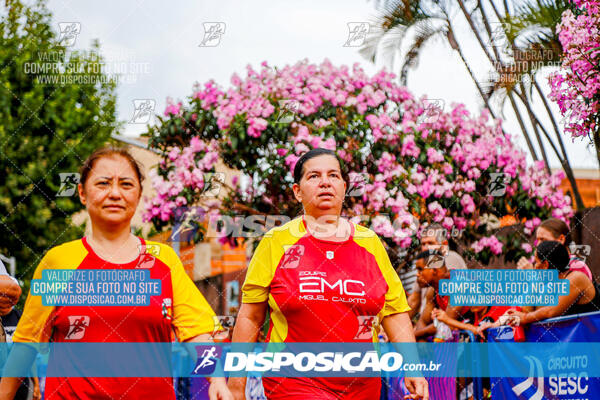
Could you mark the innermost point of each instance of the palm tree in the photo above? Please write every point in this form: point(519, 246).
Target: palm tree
point(532, 46)
point(528, 30)
point(413, 24)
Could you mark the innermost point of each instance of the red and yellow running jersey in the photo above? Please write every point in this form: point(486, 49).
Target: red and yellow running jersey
point(323, 291)
point(180, 308)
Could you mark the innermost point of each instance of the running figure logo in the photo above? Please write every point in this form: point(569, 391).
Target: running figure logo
point(357, 33)
point(68, 33)
point(365, 327)
point(287, 110)
point(68, 184)
point(498, 183)
point(212, 34)
point(77, 325)
point(143, 110)
point(292, 256)
point(207, 359)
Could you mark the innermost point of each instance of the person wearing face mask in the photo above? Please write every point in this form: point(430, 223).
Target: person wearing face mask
point(322, 278)
point(110, 188)
point(583, 295)
point(554, 229)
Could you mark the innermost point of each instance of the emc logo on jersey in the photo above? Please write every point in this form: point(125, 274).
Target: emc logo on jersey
point(207, 359)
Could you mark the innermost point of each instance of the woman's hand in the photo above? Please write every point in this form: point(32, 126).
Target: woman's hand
point(237, 388)
point(418, 388)
point(516, 317)
point(524, 263)
point(218, 390)
point(483, 326)
point(440, 315)
point(37, 394)
point(475, 331)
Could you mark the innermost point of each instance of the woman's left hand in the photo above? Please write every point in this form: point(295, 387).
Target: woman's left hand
point(418, 388)
point(517, 317)
point(439, 314)
point(218, 390)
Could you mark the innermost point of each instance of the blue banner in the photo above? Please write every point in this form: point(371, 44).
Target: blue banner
point(561, 375)
point(437, 360)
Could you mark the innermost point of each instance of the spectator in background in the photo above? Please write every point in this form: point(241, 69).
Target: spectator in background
point(431, 267)
point(433, 237)
point(583, 295)
point(429, 274)
point(554, 229)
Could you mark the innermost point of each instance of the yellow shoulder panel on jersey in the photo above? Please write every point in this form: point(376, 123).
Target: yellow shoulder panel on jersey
point(35, 323)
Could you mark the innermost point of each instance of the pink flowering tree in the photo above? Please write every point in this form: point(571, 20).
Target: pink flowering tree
point(408, 162)
point(576, 86)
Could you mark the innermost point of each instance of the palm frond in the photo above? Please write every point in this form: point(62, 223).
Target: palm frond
point(534, 24)
point(390, 29)
point(423, 33)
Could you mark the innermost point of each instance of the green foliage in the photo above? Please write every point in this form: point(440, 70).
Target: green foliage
point(46, 128)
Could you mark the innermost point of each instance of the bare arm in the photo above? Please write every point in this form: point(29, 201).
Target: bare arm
point(398, 328)
point(21, 357)
point(247, 327)
point(9, 386)
point(9, 293)
point(414, 302)
point(578, 283)
point(424, 326)
point(450, 319)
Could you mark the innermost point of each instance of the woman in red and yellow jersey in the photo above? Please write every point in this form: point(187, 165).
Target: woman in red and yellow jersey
point(110, 187)
point(321, 276)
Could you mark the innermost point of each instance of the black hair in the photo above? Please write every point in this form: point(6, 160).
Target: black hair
point(555, 253)
point(299, 168)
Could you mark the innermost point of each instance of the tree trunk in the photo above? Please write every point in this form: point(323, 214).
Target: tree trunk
point(535, 128)
point(522, 125)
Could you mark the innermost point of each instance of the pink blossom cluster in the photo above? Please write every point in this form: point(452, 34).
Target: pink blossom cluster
point(530, 225)
point(172, 108)
point(189, 168)
point(436, 169)
point(576, 86)
point(311, 86)
point(490, 242)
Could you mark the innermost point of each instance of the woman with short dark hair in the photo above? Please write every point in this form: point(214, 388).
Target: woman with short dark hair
point(298, 270)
